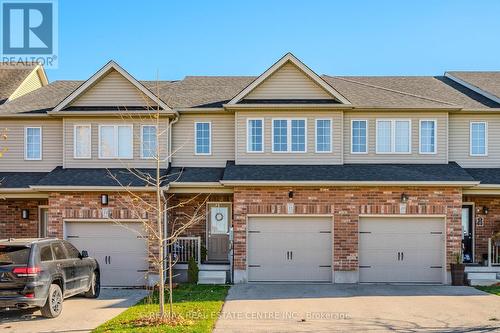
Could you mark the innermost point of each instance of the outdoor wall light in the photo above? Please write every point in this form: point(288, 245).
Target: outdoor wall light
point(290, 194)
point(485, 210)
point(404, 198)
point(104, 199)
point(25, 214)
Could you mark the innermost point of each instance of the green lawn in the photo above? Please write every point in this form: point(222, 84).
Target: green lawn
point(490, 289)
point(200, 305)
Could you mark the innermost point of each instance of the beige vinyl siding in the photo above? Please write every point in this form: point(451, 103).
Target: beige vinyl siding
point(52, 145)
point(460, 140)
point(309, 157)
point(113, 90)
point(415, 156)
point(94, 161)
point(288, 82)
point(222, 140)
point(32, 82)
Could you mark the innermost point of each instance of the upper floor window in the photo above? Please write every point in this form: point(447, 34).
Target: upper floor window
point(289, 135)
point(82, 141)
point(323, 135)
point(148, 141)
point(203, 138)
point(33, 143)
point(359, 135)
point(115, 141)
point(427, 136)
point(255, 134)
point(393, 136)
point(478, 138)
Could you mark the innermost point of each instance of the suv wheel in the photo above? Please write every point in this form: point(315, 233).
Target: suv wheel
point(95, 286)
point(53, 305)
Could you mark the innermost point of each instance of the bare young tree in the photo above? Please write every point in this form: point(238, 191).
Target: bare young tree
point(153, 208)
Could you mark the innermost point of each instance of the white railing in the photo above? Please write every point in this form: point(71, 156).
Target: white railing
point(493, 252)
point(186, 248)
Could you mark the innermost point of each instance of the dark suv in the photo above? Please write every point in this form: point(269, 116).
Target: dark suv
point(40, 273)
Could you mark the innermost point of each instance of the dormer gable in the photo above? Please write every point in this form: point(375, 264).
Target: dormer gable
point(288, 80)
point(111, 87)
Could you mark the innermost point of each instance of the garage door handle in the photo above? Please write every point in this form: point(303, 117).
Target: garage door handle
point(109, 260)
point(402, 256)
point(399, 256)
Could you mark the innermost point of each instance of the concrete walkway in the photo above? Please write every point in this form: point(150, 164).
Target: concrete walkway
point(79, 314)
point(356, 308)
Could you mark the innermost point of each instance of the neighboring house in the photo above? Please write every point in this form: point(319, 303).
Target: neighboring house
point(17, 80)
point(310, 178)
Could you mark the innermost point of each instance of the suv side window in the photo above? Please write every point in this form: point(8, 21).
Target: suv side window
point(59, 253)
point(73, 253)
point(46, 253)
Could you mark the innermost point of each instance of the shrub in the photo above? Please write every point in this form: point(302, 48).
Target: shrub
point(193, 271)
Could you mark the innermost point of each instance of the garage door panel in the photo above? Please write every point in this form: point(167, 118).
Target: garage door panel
point(120, 251)
point(402, 249)
point(289, 249)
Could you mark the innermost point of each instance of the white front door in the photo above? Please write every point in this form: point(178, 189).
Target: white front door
point(120, 250)
point(290, 248)
point(401, 249)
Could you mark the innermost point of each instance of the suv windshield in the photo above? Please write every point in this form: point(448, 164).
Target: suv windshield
point(14, 255)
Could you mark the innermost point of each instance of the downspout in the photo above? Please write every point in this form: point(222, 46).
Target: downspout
point(170, 130)
point(165, 234)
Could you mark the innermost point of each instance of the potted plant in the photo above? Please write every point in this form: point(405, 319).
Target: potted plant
point(457, 271)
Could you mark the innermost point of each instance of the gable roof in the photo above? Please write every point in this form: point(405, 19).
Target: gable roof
point(13, 75)
point(276, 67)
point(484, 83)
point(110, 66)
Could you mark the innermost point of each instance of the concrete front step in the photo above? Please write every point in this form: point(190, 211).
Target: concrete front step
point(482, 282)
point(482, 275)
point(211, 277)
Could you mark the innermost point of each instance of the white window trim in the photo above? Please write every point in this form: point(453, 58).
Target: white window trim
point(393, 137)
point(485, 138)
point(115, 143)
point(74, 142)
point(209, 138)
point(316, 136)
point(420, 137)
point(352, 137)
point(248, 136)
point(289, 136)
point(26, 144)
point(142, 141)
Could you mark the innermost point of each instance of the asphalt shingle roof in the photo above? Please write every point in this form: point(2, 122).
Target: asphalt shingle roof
point(487, 81)
point(485, 175)
point(20, 179)
point(347, 172)
point(214, 91)
point(195, 174)
point(11, 77)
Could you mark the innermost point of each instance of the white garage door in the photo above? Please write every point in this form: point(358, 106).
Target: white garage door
point(120, 250)
point(290, 249)
point(401, 250)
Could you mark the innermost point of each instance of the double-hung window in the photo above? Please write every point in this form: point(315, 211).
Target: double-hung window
point(148, 141)
point(323, 135)
point(33, 143)
point(393, 137)
point(82, 141)
point(289, 135)
point(427, 136)
point(203, 138)
point(255, 135)
point(115, 141)
point(478, 138)
point(359, 135)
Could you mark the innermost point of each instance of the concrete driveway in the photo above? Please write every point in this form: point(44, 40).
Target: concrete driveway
point(79, 314)
point(352, 308)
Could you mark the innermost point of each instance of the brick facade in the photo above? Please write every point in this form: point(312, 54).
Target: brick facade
point(490, 222)
point(11, 222)
point(346, 204)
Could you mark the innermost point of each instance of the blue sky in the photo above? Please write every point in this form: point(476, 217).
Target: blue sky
point(179, 38)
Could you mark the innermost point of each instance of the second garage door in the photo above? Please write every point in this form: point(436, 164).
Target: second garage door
point(291, 248)
point(120, 250)
point(401, 249)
